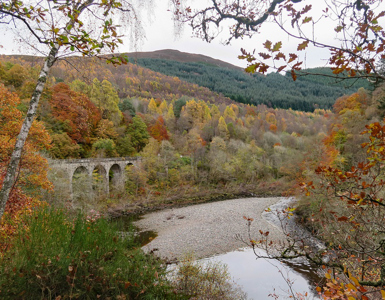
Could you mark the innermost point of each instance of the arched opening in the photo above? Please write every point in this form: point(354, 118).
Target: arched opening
point(81, 184)
point(62, 186)
point(115, 177)
point(99, 181)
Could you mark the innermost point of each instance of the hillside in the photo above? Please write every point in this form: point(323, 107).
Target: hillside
point(273, 90)
point(191, 139)
point(170, 54)
point(129, 80)
point(322, 76)
point(206, 79)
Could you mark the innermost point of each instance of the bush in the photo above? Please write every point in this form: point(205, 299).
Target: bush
point(209, 280)
point(83, 258)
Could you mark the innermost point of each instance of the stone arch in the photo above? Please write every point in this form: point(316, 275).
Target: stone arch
point(80, 184)
point(99, 180)
point(115, 176)
point(128, 167)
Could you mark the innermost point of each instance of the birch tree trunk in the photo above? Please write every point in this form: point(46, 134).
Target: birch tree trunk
point(10, 176)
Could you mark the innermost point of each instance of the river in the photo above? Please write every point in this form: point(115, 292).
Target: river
point(209, 230)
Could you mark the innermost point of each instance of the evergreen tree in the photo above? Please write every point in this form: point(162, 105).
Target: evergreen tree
point(126, 105)
point(178, 105)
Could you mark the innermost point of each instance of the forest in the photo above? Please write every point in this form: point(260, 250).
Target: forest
point(274, 90)
point(189, 136)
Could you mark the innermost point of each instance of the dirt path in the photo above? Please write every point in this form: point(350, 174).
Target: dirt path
point(206, 229)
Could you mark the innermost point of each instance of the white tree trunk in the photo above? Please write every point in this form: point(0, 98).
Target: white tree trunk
point(10, 176)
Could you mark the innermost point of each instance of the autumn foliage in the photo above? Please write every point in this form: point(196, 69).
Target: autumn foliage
point(78, 114)
point(159, 131)
point(347, 200)
point(32, 173)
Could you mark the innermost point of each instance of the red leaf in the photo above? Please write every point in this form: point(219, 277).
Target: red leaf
point(293, 75)
point(293, 57)
point(264, 55)
point(280, 55)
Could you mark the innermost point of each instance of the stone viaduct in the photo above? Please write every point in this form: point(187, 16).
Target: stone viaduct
point(111, 170)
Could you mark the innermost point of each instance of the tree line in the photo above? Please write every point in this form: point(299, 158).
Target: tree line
point(274, 90)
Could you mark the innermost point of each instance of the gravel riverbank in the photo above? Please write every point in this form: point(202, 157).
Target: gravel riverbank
point(207, 229)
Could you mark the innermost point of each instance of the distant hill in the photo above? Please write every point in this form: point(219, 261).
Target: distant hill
point(322, 77)
point(130, 80)
point(274, 90)
point(202, 77)
point(169, 54)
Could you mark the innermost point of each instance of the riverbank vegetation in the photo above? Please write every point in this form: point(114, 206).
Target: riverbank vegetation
point(343, 201)
point(206, 280)
point(55, 255)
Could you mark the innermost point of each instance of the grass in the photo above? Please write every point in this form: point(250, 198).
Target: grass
point(59, 257)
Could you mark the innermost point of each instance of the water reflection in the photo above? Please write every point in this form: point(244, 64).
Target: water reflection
point(263, 277)
point(260, 278)
point(125, 224)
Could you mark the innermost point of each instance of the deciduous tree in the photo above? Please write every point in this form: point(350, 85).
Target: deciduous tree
point(159, 131)
point(32, 170)
point(106, 99)
point(223, 132)
point(59, 27)
point(76, 110)
point(138, 132)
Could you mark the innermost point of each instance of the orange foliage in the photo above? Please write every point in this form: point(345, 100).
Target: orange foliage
point(76, 110)
point(33, 168)
point(159, 131)
point(273, 128)
point(355, 101)
point(359, 191)
point(18, 205)
point(270, 118)
point(250, 111)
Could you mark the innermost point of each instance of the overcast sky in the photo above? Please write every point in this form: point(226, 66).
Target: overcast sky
point(160, 34)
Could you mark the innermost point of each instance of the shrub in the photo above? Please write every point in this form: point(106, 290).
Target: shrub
point(55, 257)
point(209, 280)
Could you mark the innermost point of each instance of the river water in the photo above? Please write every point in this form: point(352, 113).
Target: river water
point(263, 278)
point(260, 278)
